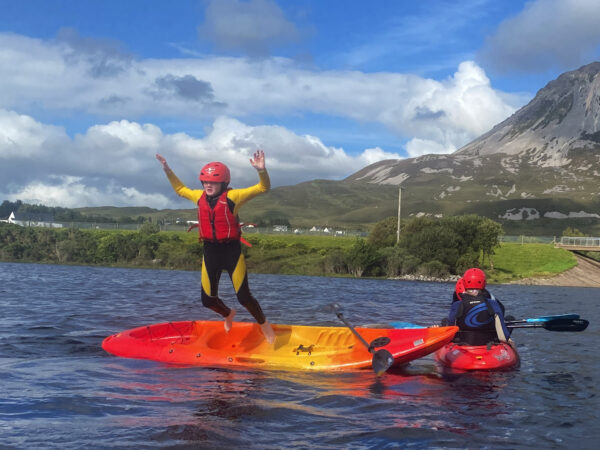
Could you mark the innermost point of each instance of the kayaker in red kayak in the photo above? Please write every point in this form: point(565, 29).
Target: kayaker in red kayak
point(476, 312)
point(220, 230)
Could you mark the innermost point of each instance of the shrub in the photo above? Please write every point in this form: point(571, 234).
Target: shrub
point(410, 264)
point(335, 262)
point(360, 257)
point(434, 268)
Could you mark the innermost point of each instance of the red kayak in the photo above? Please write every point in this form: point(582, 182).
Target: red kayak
point(499, 356)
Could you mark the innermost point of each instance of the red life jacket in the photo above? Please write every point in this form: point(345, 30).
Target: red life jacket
point(217, 224)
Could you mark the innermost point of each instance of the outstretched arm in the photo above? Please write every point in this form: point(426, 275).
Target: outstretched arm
point(258, 161)
point(178, 186)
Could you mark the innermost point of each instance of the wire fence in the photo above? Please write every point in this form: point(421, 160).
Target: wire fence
point(571, 241)
point(522, 239)
point(314, 231)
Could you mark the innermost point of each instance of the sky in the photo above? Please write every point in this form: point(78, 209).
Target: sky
point(91, 90)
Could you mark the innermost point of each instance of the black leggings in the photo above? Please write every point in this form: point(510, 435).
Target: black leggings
point(227, 256)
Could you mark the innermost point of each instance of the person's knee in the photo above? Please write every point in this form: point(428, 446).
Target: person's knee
point(208, 301)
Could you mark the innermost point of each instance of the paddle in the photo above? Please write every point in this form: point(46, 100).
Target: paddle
point(382, 359)
point(405, 325)
point(559, 324)
point(544, 318)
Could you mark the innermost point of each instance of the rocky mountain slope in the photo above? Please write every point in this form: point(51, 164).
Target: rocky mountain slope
point(542, 162)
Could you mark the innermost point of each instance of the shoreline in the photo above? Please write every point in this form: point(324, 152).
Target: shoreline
point(585, 274)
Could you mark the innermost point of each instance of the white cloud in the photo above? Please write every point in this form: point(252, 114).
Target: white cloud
point(373, 155)
point(419, 147)
point(546, 34)
point(450, 112)
point(23, 137)
point(73, 192)
point(114, 164)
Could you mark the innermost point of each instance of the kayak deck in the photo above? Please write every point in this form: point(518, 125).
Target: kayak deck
point(500, 356)
point(296, 347)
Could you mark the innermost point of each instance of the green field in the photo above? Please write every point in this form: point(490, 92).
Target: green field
point(514, 261)
point(303, 255)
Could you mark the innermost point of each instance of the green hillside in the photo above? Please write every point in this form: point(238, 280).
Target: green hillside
point(358, 206)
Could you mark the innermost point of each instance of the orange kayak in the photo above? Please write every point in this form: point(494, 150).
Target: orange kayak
point(296, 347)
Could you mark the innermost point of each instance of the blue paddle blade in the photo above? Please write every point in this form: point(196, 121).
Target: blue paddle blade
point(558, 316)
point(405, 325)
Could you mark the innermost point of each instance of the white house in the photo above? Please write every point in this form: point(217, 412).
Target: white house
point(32, 221)
point(11, 218)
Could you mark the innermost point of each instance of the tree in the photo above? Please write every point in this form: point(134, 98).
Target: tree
point(488, 237)
point(572, 232)
point(335, 261)
point(149, 228)
point(384, 233)
point(360, 257)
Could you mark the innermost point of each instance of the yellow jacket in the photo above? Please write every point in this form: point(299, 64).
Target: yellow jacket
point(237, 196)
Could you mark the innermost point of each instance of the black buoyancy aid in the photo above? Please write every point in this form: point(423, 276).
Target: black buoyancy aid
point(218, 223)
point(474, 314)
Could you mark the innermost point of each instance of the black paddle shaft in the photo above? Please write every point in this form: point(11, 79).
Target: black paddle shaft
point(360, 338)
point(382, 359)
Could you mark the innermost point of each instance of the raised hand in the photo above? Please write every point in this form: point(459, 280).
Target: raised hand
point(258, 161)
point(163, 161)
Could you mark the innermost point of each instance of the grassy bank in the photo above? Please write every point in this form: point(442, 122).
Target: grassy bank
point(293, 254)
point(514, 261)
point(305, 255)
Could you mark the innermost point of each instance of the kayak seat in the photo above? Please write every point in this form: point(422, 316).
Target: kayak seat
point(335, 338)
point(243, 338)
point(475, 338)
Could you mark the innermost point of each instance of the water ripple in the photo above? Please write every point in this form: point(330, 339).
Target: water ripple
point(59, 389)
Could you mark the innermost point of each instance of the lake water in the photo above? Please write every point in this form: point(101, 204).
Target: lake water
point(59, 389)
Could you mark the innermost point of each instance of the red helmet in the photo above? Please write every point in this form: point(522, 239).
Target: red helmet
point(460, 287)
point(216, 172)
point(474, 279)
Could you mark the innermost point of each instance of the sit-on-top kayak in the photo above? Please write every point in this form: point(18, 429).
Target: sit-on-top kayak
point(497, 356)
point(296, 347)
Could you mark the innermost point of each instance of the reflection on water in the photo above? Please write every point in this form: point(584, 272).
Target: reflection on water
point(59, 389)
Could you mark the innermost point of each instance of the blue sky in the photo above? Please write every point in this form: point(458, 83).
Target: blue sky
point(91, 90)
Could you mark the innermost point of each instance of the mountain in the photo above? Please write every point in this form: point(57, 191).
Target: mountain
point(563, 117)
point(542, 162)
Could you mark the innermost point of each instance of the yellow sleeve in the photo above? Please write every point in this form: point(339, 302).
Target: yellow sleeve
point(182, 190)
point(241, 196)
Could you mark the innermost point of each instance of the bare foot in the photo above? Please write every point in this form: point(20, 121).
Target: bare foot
point(229, 320)
point(268, 332)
